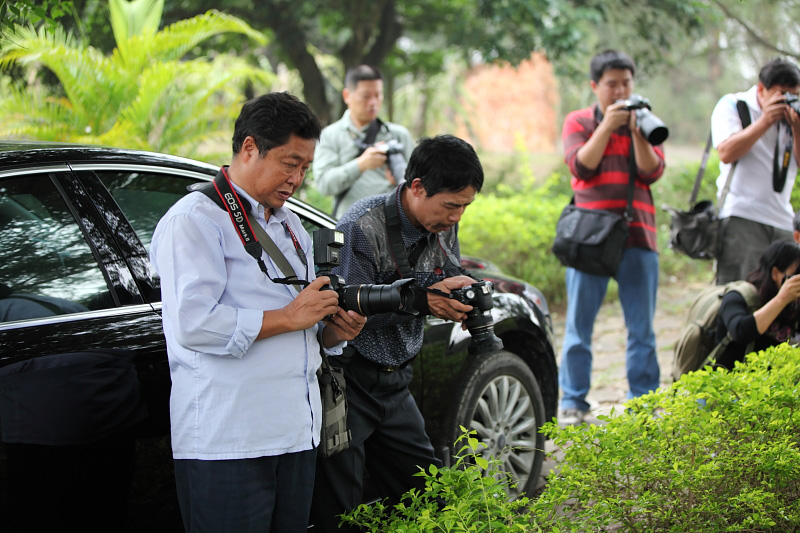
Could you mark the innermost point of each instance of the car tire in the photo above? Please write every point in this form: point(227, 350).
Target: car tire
point(500, 400)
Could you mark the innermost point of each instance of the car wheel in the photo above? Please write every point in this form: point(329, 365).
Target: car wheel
point(500, 400)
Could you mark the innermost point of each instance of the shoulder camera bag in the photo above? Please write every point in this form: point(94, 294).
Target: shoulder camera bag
point(695, 233)
point(593, 240)
point(335, 437)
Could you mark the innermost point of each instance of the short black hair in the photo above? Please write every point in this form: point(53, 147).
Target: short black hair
point(779, 72)
point(609, 60)
point(361, 73)
point(445, 163)
point(271, 119)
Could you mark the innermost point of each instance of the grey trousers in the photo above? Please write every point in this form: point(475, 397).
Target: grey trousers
point(743, 243)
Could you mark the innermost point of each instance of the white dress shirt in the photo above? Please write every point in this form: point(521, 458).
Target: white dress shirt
point(233, 397)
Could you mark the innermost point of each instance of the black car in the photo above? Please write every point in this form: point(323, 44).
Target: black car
point(84, 382)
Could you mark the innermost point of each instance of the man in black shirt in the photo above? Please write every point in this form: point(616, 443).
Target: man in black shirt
point(388, 432)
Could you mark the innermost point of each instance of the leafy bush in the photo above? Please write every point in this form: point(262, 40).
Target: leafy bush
point(469, 496)
point(717, 451)
point(515, 228)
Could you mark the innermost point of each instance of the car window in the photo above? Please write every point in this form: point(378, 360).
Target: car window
point(46, 266)
point(309, 225)
point(145, 197)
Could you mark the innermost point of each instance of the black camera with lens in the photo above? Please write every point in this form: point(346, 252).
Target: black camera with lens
point(366, 299)
point(793, 101)
point(395, 157)
point(479, 321)
point(652, 127)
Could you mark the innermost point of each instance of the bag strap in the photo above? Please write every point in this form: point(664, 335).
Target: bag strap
point(744, 117)
point(275, 254)
point(369, 138)
point(750, 295)
point(700, 172)
point(744, 113)
point(402, 260)
point(253, 236)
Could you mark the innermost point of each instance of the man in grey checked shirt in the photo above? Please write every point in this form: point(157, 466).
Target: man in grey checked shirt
point(388, 432)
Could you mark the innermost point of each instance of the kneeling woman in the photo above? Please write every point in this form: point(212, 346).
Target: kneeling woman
point(776, 319)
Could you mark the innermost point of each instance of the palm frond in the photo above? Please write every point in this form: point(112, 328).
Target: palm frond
point(90, 81)
point(174, 41)
point(133, 18)
point(34, 113)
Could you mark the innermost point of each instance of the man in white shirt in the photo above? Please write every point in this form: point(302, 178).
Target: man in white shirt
point(756, 210)
point(243, 349)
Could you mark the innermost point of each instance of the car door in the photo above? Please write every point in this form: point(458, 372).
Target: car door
point(75, 331)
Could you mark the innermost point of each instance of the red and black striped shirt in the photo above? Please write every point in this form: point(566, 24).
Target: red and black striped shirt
point(606, 187)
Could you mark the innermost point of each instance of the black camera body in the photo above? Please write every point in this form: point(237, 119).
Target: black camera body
point(366, 299)
point(395, 157)
point(793, 101)
point(479, 321)
point(653, 128)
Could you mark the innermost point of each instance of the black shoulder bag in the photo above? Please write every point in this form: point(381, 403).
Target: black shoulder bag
point(593, 240)
point(695, 233)
point(335, 437)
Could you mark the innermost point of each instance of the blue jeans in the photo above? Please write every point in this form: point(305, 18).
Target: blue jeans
point(637, 278)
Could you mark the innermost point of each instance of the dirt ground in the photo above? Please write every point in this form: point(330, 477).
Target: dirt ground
point(609, 384)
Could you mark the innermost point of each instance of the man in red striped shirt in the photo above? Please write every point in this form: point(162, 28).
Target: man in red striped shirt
point(597, 144)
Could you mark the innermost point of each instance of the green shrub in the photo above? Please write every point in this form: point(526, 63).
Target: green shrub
point(515, 228)
point(717, 451)
point(469, 496)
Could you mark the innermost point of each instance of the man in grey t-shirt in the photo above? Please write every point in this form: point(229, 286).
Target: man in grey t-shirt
point(343, 166)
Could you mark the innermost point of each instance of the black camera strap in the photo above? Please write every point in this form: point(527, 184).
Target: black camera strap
point(369, 139)
point(404, 262)
point(253, 236)
point(780, 168)
point(632, 172)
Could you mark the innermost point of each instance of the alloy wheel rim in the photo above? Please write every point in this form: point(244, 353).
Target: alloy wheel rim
point(505, 423)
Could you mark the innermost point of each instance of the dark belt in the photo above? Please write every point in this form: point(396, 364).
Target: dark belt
point(380, 366)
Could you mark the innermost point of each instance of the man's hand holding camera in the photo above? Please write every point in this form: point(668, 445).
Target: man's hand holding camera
point(775, 109)
point(446, 308)
point(617, 115)
point(314, 303)
point(373, 157)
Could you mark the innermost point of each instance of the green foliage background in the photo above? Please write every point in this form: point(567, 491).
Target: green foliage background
point(717, 451)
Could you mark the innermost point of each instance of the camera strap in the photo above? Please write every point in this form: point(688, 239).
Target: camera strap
point(403, 261)
point(253, 236)
point(632, 171)
point(780, 168)
point(369, 138)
